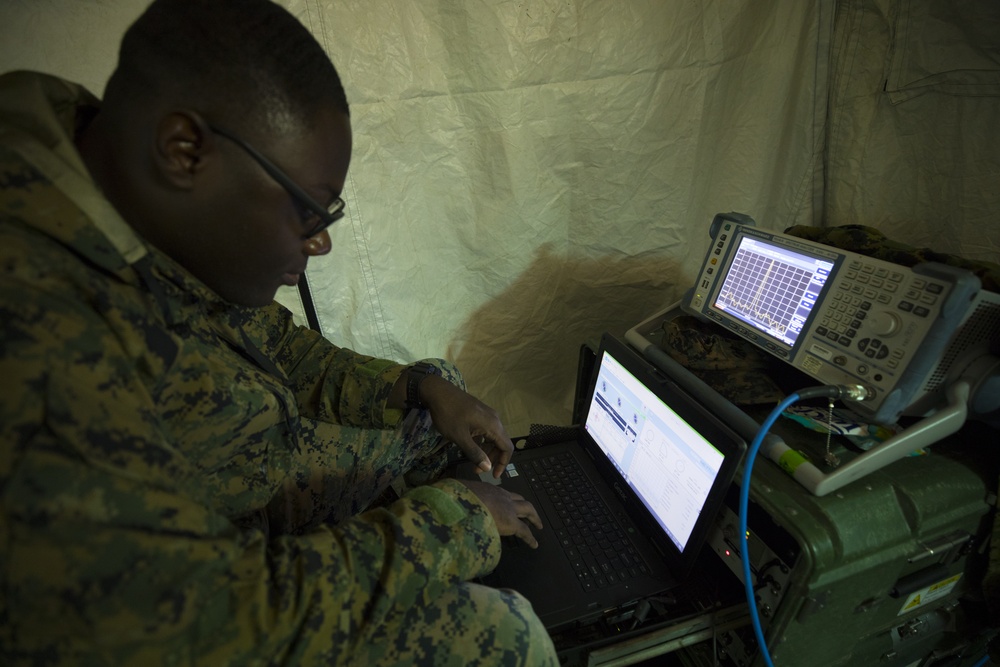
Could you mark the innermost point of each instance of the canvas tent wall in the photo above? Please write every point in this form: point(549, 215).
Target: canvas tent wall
point(528, 174)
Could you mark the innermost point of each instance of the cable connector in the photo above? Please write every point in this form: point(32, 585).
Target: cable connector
point(641, 612)
point(854, 392)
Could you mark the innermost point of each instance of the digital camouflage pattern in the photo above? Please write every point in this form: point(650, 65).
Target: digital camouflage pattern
point(181, 480)
point(735, 368)
point(873, 243)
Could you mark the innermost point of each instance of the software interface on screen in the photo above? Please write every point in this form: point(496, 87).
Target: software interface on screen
point(772, 288)
point(669, 465)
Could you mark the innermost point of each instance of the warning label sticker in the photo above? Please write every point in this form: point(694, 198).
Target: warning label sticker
point(929, 594)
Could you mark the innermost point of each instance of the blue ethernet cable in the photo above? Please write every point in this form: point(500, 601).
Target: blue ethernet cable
point(826, 391)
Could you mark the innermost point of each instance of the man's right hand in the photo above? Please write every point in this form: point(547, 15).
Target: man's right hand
point(510, 511)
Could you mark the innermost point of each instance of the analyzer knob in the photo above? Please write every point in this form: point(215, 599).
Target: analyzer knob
point(883, 323)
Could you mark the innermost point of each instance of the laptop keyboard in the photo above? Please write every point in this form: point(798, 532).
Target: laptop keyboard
point(599, 549)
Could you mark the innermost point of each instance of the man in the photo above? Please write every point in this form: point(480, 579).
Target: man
point(181, 468)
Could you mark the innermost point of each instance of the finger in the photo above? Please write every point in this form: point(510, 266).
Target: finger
point(475, 454)
point(494, 448)
point(498, 460)
point(523, 532)
point(503, 448)
point(527, 512)
point(500, 466)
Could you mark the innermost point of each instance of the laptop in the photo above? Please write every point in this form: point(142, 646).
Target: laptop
point(627, 504)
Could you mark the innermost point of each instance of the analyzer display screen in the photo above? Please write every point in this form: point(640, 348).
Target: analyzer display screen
point(772, 288)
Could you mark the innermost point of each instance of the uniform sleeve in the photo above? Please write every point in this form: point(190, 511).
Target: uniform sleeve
point(331, 383)
point(111, 554)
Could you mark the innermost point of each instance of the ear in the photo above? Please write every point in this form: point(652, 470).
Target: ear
point(183, 143)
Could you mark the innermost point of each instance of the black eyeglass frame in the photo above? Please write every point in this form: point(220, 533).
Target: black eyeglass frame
point(327, 215)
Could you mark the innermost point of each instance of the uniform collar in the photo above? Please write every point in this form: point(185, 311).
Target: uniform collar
point(38, 121)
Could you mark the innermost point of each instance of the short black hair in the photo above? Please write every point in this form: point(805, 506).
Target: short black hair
point(247, 64)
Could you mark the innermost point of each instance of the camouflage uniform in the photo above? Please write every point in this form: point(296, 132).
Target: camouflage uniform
point(873, 243)
point(181, 478)
point(735, 368)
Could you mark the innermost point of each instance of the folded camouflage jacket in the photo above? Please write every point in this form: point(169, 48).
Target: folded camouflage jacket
point(140, 414)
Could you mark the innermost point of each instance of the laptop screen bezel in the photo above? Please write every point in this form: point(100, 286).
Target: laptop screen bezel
point(731, 445)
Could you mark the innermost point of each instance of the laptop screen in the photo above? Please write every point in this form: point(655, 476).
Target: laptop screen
point(667, 463)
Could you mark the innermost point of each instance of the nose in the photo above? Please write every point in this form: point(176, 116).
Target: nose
point(318, 245)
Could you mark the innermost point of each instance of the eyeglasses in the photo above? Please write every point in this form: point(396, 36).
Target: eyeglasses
point(309, 209)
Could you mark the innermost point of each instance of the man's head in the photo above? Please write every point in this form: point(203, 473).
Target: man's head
point(217, 110)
